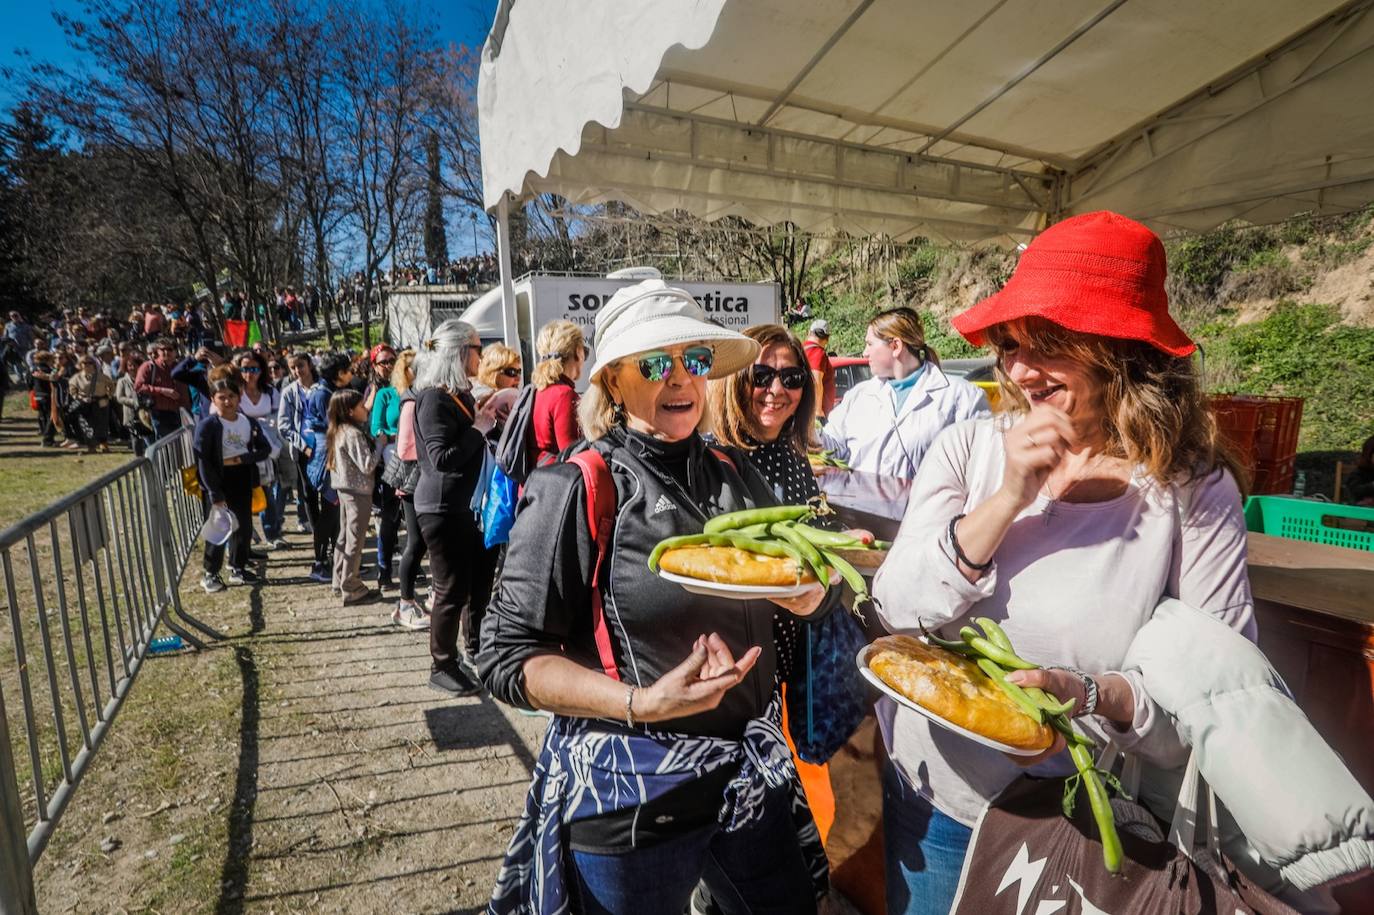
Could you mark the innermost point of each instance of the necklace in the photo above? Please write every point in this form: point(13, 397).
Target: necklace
point(1056, 499)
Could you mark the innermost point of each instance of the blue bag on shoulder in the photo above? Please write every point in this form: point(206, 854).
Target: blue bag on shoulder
point(826, 698)
point(498, 508)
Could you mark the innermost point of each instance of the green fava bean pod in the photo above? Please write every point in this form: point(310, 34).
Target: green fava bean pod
point(770, 515)
point(803, 546)
point(673, 543)
point(1014, 692)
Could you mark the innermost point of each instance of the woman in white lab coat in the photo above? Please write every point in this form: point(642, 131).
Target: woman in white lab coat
point(885, 424)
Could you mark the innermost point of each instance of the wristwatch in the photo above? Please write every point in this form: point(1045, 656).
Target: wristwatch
point(1089, 704)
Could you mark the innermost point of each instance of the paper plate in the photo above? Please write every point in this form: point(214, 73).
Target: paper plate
point(871, 677)
point(735, 592)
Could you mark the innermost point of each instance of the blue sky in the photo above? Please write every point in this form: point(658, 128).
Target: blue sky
point(27, 28)
point(28, 25)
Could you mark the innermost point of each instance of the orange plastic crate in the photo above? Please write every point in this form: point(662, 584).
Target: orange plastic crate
point(1264, 433)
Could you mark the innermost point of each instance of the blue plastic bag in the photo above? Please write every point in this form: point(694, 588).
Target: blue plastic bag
point(498, 508)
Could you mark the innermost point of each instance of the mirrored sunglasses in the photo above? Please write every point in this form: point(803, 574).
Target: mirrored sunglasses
point(511, 372)
point(249, 369)
point(697, 360)
point(792, 377)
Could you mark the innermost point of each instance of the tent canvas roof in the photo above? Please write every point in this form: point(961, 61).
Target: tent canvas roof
point(977, 121)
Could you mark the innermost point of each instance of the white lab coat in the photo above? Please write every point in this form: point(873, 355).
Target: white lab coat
point(869, 434)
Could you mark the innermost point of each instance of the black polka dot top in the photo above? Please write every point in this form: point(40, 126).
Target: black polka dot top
point(793, 482)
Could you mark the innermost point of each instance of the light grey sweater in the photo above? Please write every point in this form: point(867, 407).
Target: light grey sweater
point(353, 462)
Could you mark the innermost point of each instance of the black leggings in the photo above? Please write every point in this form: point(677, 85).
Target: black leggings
point(461, 570)
point(323, 516)
point(388, 525)
point(238, 495)
point(415, 549)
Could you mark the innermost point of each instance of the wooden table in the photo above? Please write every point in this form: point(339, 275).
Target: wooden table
point(1315, 608)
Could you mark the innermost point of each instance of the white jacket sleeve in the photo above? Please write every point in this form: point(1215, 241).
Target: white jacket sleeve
point(1208, 572)
point(833, 435)
point(919, 581)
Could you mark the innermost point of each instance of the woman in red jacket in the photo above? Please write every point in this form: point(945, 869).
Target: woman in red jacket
point(561, 352)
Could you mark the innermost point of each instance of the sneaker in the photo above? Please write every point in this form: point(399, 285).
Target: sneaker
point(408, 615)
point(366, 596)
point(702, 903)
point(242, 577)
point(319, 573)
point(302, 527)
point(280, 544)
point(256, 554)
point(384, 581)
point(452, 679)
point(212, 583)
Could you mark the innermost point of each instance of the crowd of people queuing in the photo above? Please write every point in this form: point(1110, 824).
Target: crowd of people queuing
point(665, 782)
point(474, 272)
point(83, 368)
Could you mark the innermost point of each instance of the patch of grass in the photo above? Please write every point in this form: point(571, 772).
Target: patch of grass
point(1301, 351)
point(32, 477)
point(1200, 264)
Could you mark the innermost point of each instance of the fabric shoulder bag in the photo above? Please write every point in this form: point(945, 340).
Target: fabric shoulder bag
point(826, 695)
point(1025, 855)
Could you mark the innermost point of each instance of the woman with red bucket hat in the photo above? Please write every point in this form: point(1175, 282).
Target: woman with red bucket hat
point(1102, 490)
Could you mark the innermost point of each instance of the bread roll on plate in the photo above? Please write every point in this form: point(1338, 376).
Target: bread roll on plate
point(953, 688)
point(730, 565)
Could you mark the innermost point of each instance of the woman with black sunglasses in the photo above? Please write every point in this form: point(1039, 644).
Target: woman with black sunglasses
point(767, 410)
point(664, 763)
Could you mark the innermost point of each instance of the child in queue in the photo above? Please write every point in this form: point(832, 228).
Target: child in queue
point(228, 446)
point(351, 461)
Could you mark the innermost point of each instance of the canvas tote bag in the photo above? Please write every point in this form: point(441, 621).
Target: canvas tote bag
point(1027, 858)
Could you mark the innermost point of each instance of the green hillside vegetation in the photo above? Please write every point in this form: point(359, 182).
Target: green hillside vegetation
point(1244, 293)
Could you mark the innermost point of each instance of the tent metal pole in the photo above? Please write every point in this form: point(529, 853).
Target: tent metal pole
point(509, 321)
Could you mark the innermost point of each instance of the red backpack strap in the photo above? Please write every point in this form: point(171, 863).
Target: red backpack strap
point(596, 478)
point(724, 458)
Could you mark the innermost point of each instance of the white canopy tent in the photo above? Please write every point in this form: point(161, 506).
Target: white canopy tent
point(979, 121)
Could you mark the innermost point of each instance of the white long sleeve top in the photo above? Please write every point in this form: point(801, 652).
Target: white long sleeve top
point(1071, 583)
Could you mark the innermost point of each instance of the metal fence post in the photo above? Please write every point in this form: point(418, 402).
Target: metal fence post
point(16, 876)
point(126, 515)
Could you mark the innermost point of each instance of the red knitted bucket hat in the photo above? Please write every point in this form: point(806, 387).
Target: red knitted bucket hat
point(1099, 273)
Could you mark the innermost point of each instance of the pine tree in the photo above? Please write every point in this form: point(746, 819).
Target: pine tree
point(436, 239)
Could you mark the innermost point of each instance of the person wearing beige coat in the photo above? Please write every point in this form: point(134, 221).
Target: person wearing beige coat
point(352, 462)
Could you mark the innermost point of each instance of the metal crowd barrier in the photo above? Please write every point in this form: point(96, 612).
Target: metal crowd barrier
point(86, 583)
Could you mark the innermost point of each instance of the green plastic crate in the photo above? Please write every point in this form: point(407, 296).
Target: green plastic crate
point(1311, 520)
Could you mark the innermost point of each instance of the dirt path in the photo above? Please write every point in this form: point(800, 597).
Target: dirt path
point(301, 765)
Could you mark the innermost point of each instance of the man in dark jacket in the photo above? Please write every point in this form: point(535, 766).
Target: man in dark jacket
point(335, 373)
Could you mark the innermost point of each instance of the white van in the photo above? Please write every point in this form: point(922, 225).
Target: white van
point(541, 298)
